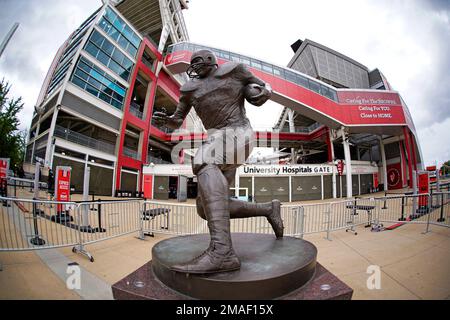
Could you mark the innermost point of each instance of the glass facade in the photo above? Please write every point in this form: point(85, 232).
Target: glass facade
point(283, 73)
point(108, 55)
point(95, 81)
point(120, 32)
point(67, 56)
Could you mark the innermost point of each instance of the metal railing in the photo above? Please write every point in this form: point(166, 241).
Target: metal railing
point(27, 224)
point(130, 153)
point(134, 109)
point(17, 184)
point(152, 159)
point(83, 140)
point(298, 129)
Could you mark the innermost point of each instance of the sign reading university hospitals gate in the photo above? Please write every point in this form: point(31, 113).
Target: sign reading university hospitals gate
point(285, 170)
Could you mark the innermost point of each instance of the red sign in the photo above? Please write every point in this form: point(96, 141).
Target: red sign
point(4, 167)
point(148, 186)
point(424, 187)
point(366, 107)
point(62, 185)
point(423, 181)
point(394, 176)
point(375, 181)
point(340, 167)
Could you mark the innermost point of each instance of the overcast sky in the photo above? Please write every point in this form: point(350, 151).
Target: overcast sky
point(408, 40)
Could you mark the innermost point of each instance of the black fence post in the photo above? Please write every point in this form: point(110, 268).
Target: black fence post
point(37, 241)
point(385, 201)
point(4, 191)
point(441, 218)
point(402, 218)
point(99, 214)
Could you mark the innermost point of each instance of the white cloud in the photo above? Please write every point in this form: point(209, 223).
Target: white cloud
point(406, 39)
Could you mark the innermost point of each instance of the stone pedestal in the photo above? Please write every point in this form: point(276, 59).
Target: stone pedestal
point(270, 269)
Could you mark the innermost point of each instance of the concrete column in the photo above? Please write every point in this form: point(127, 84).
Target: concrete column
point(292, 129)
point(334, 183)
point(253, 188)
point(359, 184)
point(236, 183)
point(291, 121)
point(290, 188)
point(37, 168)
point(49, 149)
point(321, 187)
point(348, 163)
point(383, 162)
point(85, 208)
point(333, 178)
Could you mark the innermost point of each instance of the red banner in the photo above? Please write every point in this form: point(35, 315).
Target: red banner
point(148, 186)
point(4, 167)
point(62, 185)
point(423, 181)
point(375, 181)
point(340, 167)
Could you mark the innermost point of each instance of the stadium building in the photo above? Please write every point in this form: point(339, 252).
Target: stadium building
point(127, 60)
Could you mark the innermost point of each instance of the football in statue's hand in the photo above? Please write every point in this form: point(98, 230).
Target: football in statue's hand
point(253, 91)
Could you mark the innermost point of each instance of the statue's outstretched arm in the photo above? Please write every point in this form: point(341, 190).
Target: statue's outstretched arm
point(176, 120)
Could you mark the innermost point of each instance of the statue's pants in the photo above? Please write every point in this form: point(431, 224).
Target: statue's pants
point(215, 165)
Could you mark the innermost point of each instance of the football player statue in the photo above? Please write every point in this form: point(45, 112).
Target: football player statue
point(217, 94)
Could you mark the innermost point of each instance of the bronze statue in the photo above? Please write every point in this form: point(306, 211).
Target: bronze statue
point(217, 94)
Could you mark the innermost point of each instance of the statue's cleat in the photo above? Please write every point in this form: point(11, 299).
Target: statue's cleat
point(209, 262)
point(275, 220)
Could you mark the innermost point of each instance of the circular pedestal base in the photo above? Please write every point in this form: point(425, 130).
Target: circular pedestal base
point(270, 267)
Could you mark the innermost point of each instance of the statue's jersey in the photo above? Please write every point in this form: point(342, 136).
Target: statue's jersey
point(219, 99)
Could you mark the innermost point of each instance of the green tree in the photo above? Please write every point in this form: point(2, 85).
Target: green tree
point(12, 140)
point(446, 168)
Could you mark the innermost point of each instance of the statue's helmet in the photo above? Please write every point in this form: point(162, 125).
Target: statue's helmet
point(201, 60)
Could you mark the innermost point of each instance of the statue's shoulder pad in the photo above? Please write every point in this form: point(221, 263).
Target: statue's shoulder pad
point(227, 68)
point(190, 86)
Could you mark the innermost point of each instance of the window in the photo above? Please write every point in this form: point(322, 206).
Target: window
point(93, 80)
point(234, 58)
point(256, 64)
point(267, 68)
point(290, 76)
point(224, 55)
point(120, 32)
point(333, 95)
point(110, 56)
point(278, 72)
point(244, 60)
point(302, 81)
point(314, 86)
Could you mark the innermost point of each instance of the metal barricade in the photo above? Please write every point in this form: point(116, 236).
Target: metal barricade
point(171, 218)
point(405, 208)
point(27, 224)
point(36, 224)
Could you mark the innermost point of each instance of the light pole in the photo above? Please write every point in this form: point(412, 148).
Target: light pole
point(8, 37)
